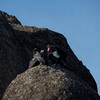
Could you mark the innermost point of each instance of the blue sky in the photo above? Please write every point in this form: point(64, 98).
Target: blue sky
point(77, 20)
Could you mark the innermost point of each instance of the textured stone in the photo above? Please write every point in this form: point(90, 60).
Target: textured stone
point(16, 46)
point(49, 83)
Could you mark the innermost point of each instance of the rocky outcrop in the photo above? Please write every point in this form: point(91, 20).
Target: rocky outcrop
point(16, 45)
point(9, 18)
point(49, 83)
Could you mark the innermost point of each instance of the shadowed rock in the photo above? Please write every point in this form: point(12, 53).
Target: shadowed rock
point(16, 46)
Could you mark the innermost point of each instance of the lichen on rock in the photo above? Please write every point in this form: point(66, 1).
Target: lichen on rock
point(48, 83)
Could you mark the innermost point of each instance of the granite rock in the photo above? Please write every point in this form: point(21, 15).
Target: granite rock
point(16, 46)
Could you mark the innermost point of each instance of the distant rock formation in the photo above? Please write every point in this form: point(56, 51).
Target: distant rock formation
point(74, 82)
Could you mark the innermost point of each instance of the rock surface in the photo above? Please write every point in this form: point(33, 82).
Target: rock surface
point(16, 45)
point(48, 83)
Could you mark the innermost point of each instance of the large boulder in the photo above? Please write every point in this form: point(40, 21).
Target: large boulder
point(49, 83)
point(16, 46)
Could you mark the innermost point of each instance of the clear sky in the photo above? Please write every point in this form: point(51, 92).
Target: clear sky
point(77, 20)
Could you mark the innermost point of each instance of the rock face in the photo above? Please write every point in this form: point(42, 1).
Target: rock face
point(73, 82)
point(48, 83)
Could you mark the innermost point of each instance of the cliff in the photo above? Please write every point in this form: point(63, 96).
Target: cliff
point(42, 82)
